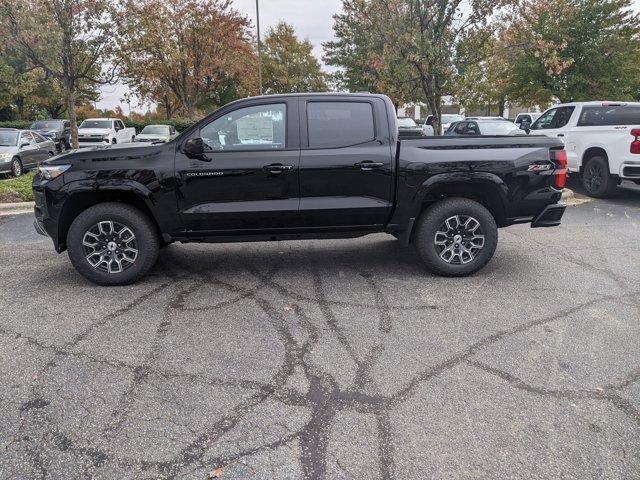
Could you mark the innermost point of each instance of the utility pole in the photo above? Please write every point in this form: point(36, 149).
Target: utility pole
point(259, 46)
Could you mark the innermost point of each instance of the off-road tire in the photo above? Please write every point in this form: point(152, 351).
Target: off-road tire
point(435, 217)
point(146, 237)
point(596, 179)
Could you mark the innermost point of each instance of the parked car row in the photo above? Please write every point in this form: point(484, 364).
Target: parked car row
point(22, 150)
point(602, 140)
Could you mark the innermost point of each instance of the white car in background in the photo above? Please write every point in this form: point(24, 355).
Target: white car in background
point(447, 120)
point(602, 140)
point(94, 132)
point(157, 133)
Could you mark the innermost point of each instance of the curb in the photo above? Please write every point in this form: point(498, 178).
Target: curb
point(16, 208)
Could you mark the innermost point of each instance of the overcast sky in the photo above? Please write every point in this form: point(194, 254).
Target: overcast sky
point(311, 19)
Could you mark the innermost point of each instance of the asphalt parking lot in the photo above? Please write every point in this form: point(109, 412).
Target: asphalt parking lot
point(329, 359)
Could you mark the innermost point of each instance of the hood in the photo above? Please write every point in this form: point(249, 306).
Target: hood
point(119, 151)
point(10, 149)
point(94, 131)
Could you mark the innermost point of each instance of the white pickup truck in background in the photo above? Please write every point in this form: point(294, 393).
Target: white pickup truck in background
point(602, 140)
point(104, 131)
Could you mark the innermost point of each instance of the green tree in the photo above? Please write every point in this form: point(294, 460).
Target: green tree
point(364, 61)
point(186, 55)
point(574, 50)
point(70, 40)
point(288, 64)
point(416, 39)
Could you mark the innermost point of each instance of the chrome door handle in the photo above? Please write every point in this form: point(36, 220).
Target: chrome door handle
point(366, 166)
point(277, 168)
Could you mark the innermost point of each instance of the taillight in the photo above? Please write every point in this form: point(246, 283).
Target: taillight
point(560, 157)
point(635, 145)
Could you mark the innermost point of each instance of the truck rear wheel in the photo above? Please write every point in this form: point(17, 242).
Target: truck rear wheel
point(456, 237)
point(113, 244)
point(596, 178)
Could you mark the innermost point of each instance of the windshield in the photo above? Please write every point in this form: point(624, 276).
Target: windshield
point(96, 124)
point(407, 123)
point(497, 128)
point(45, 125)
point(156, 130)
point(451, 118)
point(8, 139)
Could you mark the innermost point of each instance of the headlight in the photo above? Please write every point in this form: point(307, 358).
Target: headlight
point(50, 172)
point(105, 137)
point(5, 156)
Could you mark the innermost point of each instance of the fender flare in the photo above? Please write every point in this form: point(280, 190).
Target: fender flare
point(77, 188)
point(457, 184)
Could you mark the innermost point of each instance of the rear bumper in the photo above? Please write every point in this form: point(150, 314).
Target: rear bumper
point(551, 216)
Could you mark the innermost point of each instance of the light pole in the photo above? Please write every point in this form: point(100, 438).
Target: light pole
point(259, 46)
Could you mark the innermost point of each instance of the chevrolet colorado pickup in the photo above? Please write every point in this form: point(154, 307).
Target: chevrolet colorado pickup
point(295, 167)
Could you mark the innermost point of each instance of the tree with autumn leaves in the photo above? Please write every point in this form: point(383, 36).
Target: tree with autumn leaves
point(186, 55)
point(488, 52)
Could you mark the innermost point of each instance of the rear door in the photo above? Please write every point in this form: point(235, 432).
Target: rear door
point(345, 163)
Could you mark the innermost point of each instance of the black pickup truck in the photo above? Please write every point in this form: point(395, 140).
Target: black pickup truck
point(296, 167)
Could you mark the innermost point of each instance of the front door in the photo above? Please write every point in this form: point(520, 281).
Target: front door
point(346, 176)
point(247, 179)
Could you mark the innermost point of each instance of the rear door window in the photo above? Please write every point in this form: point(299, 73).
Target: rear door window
point(339, 124)
point(609, 115)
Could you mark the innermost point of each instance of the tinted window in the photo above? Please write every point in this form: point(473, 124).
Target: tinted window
point(609, 115)
point(261, 127)
point(563, 116)
point(545, 120)
point(554, 118)
point(8, 139)
point(472, 129)
point(461, 127)
point(96, 124)
point(339, 124)
point(39, 138)
point(45, 125)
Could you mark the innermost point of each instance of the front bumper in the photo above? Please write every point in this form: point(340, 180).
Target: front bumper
point(551, 216)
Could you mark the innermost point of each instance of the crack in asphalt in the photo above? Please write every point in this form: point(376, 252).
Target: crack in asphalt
point(324, 398)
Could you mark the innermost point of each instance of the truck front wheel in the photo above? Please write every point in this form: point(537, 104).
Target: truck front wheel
point(113, 244)
point(456, 237)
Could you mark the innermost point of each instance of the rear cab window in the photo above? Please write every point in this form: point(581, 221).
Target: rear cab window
point(595, 116)
point(337, 124)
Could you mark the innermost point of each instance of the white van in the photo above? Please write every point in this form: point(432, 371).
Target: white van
point(602, 140)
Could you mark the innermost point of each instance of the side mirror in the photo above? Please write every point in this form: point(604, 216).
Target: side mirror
point(194, 147)
point(24, 144)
